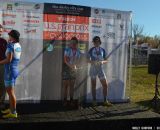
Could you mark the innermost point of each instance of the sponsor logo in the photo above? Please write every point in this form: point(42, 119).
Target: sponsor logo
point(64, 7)
point(67, 27)
point(68, 36)
point(82, 47)
point(109, 35)
point(118, 16)
point(30, 16)
point(31, 25)
point(103, 11)
point(96, 11)
point(30, 30)
point(96, 31)
point(66, 19)
point(31, 21)
point(9, 7)
point(37, 6)
point(7, 29)
point(55, 6)
point(110, 26)
point(122, 27)
point(96, 26)
point(11, 22)
point(16, 4)
point(9, 15)
point(97, 21)
point(23, 6)
point(20, 10)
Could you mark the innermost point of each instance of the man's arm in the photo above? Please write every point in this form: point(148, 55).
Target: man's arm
point(104, 61)
point(8, 59)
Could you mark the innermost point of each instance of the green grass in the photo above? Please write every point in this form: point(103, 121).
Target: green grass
point(142, 87)
point(142, 84)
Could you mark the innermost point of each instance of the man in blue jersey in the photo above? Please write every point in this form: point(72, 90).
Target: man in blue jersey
point(3, 44)
point(97, 57)
point(71, 59)
point(13, 53)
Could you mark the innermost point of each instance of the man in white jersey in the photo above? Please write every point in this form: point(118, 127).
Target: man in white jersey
point(11, 61)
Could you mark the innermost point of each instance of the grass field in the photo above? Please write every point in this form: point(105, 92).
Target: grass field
point(142, 87)
point(142, 84)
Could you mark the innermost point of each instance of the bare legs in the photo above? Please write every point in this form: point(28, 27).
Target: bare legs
point(104, 85)
point(68, 86)
point(12, 98)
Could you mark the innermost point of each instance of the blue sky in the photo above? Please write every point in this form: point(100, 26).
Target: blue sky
point(145, 12)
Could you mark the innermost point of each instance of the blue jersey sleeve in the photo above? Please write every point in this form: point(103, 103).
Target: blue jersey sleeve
point(66, 52)
point(89, 54)
point(10, 48)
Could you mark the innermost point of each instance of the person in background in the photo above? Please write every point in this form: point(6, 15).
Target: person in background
point(3, 45)
point(71, 58)
point(11, 62)
point(97, 57)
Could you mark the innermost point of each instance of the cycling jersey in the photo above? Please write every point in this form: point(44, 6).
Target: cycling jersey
point(11, 69)
point(97, 54)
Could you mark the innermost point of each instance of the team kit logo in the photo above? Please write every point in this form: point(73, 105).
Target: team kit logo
point(96, 11)
point(118, 16)
point(97, 32)
point(109, 35)
point(9, 7)
point(37, 6)
point(110, 26)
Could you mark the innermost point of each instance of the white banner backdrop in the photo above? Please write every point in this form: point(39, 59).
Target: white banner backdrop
point(112, 26)
point(27, 18)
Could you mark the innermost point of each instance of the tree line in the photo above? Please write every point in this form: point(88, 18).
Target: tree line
point(139, 37)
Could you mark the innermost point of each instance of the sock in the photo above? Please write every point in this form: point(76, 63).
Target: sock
point(13, 111)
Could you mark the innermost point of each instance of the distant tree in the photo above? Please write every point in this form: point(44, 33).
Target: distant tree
point(139, 37)
point(154, 42)
point(137, 32)
point(157, 41)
